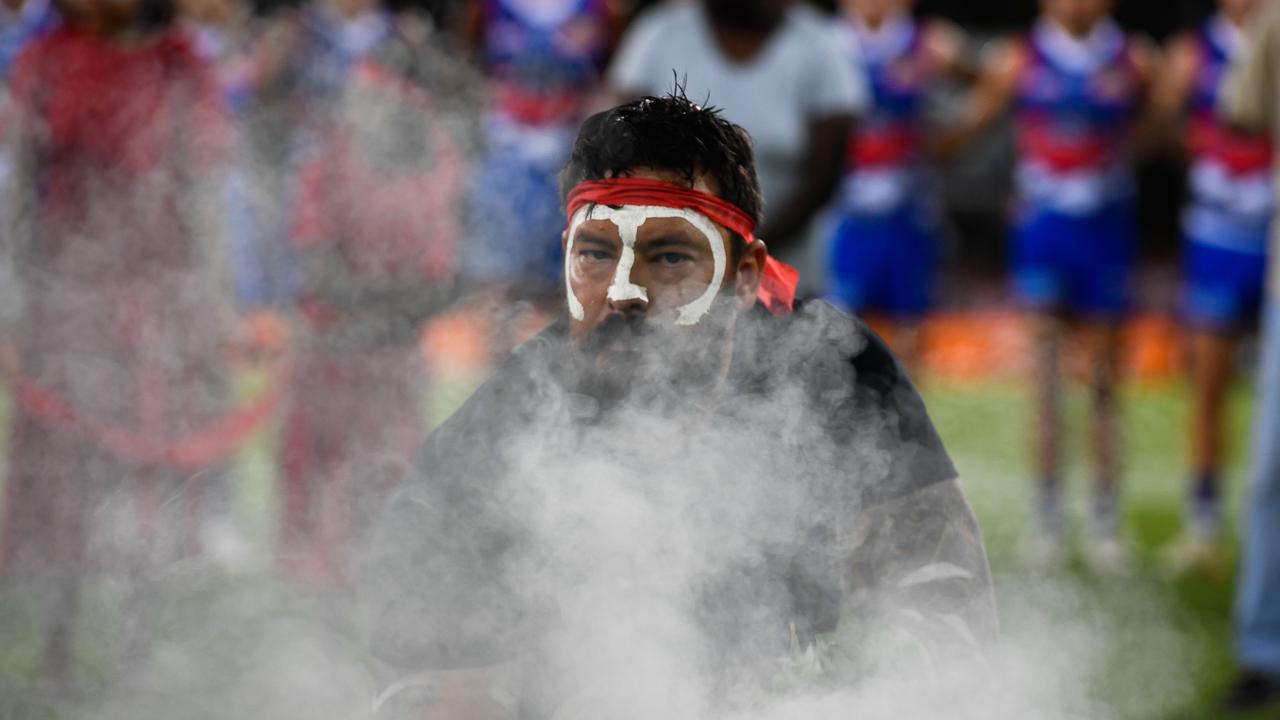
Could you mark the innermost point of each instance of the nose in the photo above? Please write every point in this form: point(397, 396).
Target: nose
point(625, 296)
point(628, 306)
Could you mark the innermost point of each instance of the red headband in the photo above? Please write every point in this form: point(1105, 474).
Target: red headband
point(778, 280)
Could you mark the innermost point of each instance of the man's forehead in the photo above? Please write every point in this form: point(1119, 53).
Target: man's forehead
point(652, 227)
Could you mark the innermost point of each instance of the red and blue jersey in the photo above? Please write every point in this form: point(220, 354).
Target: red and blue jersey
point(1076, 104)
point(884, 152)
point(1230, 174)
point(544, 57)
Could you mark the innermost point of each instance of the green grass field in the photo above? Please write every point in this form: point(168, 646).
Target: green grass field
point(985, 428)
point(1163, 648)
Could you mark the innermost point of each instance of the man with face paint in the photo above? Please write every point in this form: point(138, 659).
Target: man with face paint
point(690, 466)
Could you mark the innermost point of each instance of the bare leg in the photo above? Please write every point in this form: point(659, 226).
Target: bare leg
point(1047, 435)
point(1104, 347)
point(1105, 547)
point(1211, 373)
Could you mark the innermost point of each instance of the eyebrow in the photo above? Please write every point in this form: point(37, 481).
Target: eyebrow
point(591, 238)
point(672, 240)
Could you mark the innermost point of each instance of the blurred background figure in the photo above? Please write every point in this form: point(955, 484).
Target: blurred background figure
point(301, 63)
point(884, 247)
point(543, 60)
point(1226, 226)
point(117, 138)
point(377, 235)
point(1077, 84)
point(777, 69)
point(223, 34)
point(1251, 101)
point(20, 22)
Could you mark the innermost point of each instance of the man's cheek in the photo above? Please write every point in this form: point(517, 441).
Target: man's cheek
point(590, 286)
point(669, 295)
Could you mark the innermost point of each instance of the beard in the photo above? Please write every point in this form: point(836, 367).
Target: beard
point(627, 362)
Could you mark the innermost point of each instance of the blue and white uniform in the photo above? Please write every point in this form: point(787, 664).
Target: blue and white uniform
point(543, 59)
point(883, 252)
point(1074, 232)
point(1227, 223)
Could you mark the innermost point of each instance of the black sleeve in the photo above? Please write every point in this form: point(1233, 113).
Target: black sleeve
point(876, 431)
point(917, 458)
point(867, 404)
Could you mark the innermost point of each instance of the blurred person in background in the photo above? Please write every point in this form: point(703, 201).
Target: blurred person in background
point(224, 34)
point(883, 251)
point(774, 67)
point(301, 62)
point(117, 138)
point(1077, 84)
point(20, 22)
point(543, 60)
point(376, 235)
point(1252, 100)
point(1226, 228)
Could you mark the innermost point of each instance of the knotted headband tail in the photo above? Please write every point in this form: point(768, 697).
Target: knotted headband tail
point(778, 280)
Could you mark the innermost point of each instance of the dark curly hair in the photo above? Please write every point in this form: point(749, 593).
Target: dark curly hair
point(669, 133)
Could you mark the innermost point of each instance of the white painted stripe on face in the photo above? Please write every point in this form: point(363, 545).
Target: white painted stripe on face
point(628, 220)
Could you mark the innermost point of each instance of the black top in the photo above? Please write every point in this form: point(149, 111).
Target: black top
point(525, 498)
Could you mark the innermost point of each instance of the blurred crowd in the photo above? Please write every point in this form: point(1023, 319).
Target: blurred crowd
point(352, 168)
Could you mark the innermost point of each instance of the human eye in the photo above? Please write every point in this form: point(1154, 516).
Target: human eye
point(590, 254)
point(672, 259)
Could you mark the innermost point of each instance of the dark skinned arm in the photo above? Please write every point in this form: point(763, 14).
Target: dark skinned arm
point(823, 167)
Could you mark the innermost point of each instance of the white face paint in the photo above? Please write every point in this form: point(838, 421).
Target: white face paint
point(628, 219)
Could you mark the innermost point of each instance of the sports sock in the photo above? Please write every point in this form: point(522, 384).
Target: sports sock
point(1105, 518)
point(1050, 521)
point(1203, 512)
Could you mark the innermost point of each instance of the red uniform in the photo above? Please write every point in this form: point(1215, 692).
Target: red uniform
point(120, 333)
point(356, 401)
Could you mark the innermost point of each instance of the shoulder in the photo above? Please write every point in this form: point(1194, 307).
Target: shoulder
point(511, 398)
point(943, 41)
point(862, 395)
point(810, 28)
point(838, 361)
point(1185, 52)
point(833, 334)
point(646, 43)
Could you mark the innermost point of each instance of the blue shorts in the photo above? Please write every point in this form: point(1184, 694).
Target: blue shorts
point(1076, 264)
point(1224, 288)
point(882, 264)
point(513, 224)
